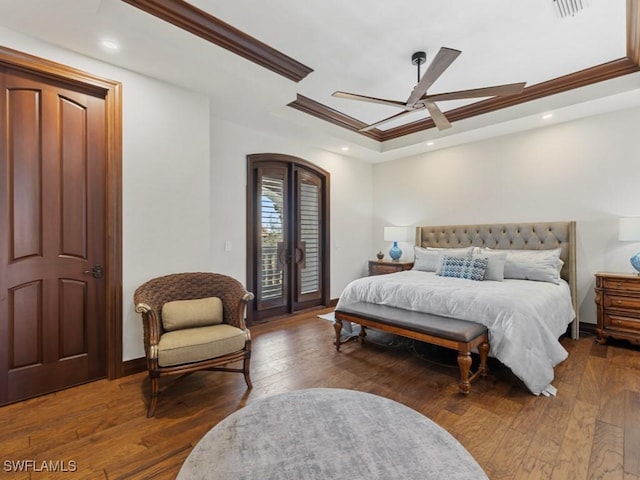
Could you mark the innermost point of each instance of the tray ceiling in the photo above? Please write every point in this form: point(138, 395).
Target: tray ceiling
point(274, 65)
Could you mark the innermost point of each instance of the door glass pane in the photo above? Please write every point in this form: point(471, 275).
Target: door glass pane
point(272, 237)
point(310, 237)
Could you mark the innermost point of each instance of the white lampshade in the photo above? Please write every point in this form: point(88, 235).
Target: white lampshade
point(396, 234)
point(629, 229)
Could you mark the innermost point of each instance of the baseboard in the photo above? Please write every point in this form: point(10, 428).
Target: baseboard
point(589, 328)
point(136, 365)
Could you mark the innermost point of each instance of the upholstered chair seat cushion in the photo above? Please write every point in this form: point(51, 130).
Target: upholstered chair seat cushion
point(195, 344)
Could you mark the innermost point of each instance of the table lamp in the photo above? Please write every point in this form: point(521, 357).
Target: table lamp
point(629, 231)
point(395, 235)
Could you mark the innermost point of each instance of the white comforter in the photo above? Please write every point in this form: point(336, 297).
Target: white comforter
point(524, 318)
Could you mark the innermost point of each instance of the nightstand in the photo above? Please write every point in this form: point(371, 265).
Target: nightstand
point(380, 267)
point(618, 306)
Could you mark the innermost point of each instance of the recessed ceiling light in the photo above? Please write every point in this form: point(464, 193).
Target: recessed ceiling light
point(547, 116)
point(430, 143)
point(344, 149)
point(110, 45)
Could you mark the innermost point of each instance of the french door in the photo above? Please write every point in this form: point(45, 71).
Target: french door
point(288, 235)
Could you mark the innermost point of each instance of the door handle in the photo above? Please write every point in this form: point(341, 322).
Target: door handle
point(300, 254)
point(97, 271)
point(283, 254)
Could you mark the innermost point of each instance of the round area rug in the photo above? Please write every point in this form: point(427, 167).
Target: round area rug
point(327, 433)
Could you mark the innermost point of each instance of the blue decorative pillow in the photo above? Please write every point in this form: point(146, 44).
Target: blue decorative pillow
point(469, 268)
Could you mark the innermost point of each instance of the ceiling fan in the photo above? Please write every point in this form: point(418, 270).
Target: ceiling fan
point(420, 100)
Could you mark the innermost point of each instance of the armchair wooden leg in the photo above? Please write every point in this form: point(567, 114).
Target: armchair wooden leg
point(245, 371)
point(153, 400)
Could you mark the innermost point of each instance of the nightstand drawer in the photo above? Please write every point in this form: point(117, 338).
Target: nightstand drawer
point(620, 322)
point(383, 269)
point(619, 301)
point(631, 285)
point(617, 297)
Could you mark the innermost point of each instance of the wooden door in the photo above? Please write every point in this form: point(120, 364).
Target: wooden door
point(306, 243)
point(272, 238)
point(52, 236)
point(287, 235)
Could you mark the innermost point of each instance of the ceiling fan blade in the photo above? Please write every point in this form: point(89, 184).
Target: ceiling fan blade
point(440, 63)
point(496, 91)
point(437, 116)
point(363, 98)
point(388, 119)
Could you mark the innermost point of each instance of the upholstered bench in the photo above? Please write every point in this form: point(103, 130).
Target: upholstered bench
point(460, 335)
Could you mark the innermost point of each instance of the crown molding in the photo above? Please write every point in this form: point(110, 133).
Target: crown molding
point(633, 30)
point(210, 28)
point(589, 76)
point(606, 71)
point(200, 23)
point(317, 109)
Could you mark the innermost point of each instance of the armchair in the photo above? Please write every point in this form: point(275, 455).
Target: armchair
point(186, 327)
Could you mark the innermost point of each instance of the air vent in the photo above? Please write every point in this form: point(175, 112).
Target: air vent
point(568, 8)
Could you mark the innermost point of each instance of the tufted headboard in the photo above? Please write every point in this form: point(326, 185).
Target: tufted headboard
point(522, 236)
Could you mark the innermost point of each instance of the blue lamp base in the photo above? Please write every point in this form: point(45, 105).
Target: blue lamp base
point(635, 261)
point(395, 253)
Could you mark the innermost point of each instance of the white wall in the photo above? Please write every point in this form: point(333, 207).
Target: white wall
point(350, 198)
point(184, 179)
point(585, 170)
point(165, 172)
point(165, 205)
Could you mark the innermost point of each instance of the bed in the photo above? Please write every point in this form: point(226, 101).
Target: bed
point(524, 317)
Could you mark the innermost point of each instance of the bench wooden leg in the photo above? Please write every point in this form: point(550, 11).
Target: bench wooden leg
point(337, 326)
point(464, 362)
point(483, 349)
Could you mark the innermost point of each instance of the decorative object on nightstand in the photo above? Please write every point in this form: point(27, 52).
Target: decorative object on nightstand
point(381, 267)
point(618, 306)
point(395, 235)
point(380, 255)
point(629, 231)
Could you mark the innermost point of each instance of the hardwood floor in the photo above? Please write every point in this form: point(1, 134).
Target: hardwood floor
point(590, 430)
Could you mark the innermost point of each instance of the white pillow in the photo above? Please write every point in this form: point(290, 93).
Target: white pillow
point(538, 265)
point(430, 259)
point(495, 263)
point(425, 260)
